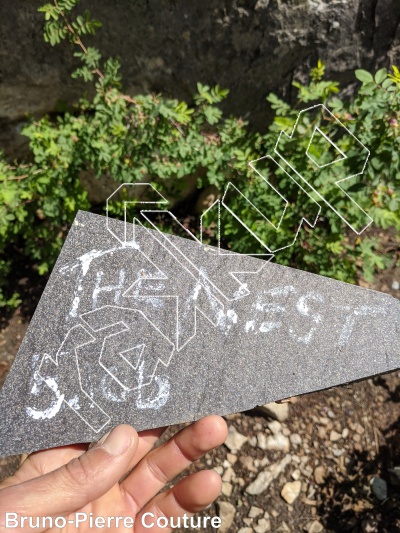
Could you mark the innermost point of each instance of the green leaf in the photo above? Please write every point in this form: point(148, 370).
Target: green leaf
point(212, 114)
point(380, 75)
point(364, 76)
point(387, 83)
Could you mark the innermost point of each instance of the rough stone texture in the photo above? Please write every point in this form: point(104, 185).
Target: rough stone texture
point(251, 47)
point(278, 411)
point(314, 527)
point(291, 491)
point(156, 330)
point(379, 487)
point(234, 440)
point(265, 477)
point(262, 526)
point(226, 512)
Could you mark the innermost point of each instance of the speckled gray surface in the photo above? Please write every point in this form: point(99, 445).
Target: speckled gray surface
point(159, 332)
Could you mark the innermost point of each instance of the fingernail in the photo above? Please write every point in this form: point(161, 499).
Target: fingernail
point(116, 441)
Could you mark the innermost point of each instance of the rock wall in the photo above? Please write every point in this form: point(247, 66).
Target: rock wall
point(251, 47)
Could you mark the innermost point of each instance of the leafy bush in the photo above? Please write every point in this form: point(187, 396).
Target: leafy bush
point(165, 141)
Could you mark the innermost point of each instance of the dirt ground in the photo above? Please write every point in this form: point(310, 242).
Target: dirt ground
point(344, 446)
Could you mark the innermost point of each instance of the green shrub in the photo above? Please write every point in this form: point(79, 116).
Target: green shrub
point(166, 141)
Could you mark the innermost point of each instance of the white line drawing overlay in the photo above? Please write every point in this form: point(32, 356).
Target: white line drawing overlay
point(337, 162)
point(131, 363)
point(128, 360)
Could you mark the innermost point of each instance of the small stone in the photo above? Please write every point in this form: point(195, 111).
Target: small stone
point(395, 472)
point(307, 471)
point(247, 462)
point(261, 4)
point(248, 521)
point(314, 527)
point(265, 478)
point(277, 411)
point(226, 489)
point(312, 503)
point(319, 475)
point(219, 470)
point(253, 441)
point(228, 474)
point(231, 458)
point(295, 439)
point(245, 530)
point(370, 525)
point(235, 440)
point(358, 428)
point(275, 427)
point(345, 433)
point(379, 488)
point(226, 512)
point(291, 491)
point(278, 442)
point(337, 452)
point(395, 285)
point(283, 528)
point(254, 512)
point(311, 491)
point(262, 441)
point(296, 474)
point(335, 436)
point(263, 526)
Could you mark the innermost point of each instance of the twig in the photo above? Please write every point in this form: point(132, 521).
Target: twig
point(77, 39)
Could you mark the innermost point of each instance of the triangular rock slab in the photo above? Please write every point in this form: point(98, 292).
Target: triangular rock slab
point(136, 333)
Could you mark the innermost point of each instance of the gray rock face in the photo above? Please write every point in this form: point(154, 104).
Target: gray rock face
point(157, 330)
point(169, 45)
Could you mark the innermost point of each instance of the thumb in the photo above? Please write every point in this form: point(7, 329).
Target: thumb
point(75, 484)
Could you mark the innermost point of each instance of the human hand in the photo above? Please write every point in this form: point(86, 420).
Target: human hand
point(65, 481)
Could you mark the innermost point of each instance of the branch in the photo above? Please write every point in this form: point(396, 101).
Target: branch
point(77, 39)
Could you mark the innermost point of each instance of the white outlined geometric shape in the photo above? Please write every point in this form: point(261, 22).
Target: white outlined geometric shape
point(324, 109)
point(47, 362)
point(93, 318)
point(161, 200)
point(310, 221)
point(221, 251)
point(193, 269)
point(190, 269)
point(331, 143)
